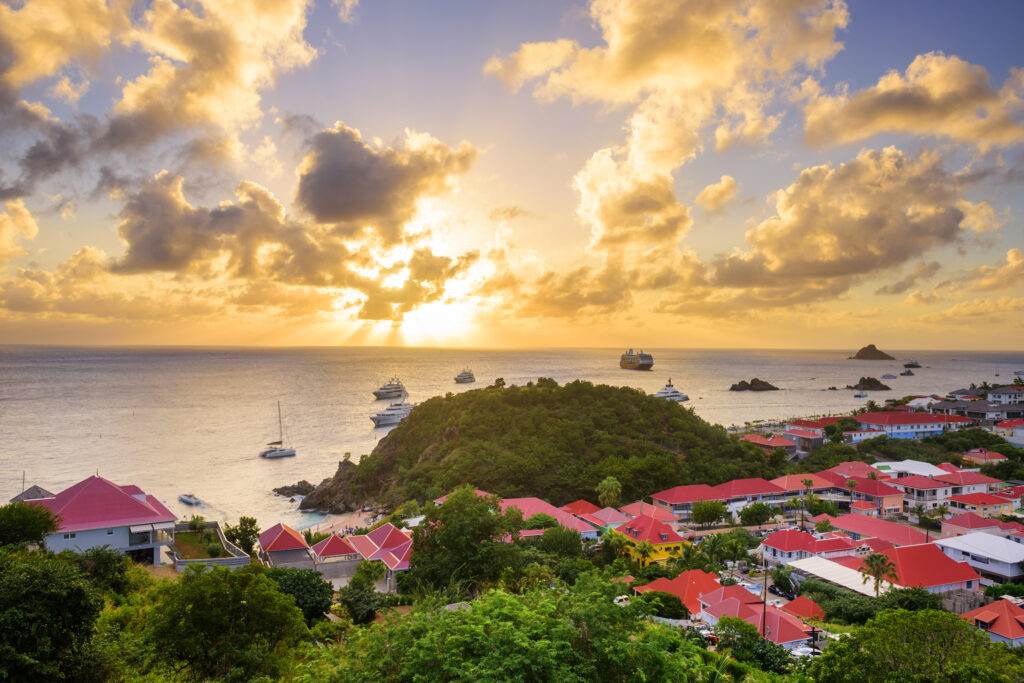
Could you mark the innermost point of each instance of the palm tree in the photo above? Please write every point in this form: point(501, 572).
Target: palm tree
point(691, 557)
point(918, 511)
point(940, 511)
point(851, 484)
point(642, 551)
point(878, 567)
point(715, 548)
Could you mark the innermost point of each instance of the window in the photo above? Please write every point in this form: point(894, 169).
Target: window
point(110, 532)
point(71, 535)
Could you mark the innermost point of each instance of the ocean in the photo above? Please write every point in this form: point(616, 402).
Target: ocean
point(175, 420)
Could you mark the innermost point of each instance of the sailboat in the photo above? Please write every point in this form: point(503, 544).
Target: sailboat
point(277, 449)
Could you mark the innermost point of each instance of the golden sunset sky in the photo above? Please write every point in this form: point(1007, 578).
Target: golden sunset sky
point(738, 173)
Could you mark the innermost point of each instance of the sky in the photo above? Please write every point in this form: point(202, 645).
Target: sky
point(531, 173)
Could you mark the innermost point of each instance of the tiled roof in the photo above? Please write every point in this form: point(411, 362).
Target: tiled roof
point(535, 506)
point(738, 593)
point(779, 627)
point(966, 478)
point(984, 454)
point(851, 468)
point(788, 540)
point(610, 516)
point(1012, 493)
point(645, 528)
point(1001, 617)
point(924, 566)
point(397, 558)
point(641, 508)
point(746, 487)
point(772, 442)
point(897, 534)
point(804, 608)
point(590, 519)
point(98, 503)
point(804, 433)
point(915, 481)
point(862, 505)
point(688, 587)
point(376, 544)
point(281, 537)
point(874, 487)
point(578, 506)
point(970, 520)
point(794, 482)
point(333, 546)
point(686, 494)
point(978, 499)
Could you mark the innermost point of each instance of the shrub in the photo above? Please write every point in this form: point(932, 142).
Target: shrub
point(664, 605)
point(213, 550)
point(196, 523)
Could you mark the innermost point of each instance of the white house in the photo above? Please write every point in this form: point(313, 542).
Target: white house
point(997, 559)
point(97, 512)
point(1012, 395)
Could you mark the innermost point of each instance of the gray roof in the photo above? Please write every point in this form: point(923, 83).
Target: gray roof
point(986, 545)
point(32, 493)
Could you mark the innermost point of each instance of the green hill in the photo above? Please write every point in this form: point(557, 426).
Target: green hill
point(541, 440)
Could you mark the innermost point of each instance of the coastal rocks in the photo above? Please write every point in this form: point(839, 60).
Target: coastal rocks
point(870, 352)
point(869, 384)
point(753, 385)
point(336, 494)
point(303, 488)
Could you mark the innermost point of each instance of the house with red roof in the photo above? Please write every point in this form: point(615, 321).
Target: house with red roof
point(387, 544)
point(679, 500)
point(739, 493)
point(793, 484)
point(536, 506)
point(664, 540)
point(863, 507)
point(925, 491)
point(688, 587)
point(1002, 621)
point(806, 440)
point(969, 522)
point(860, 527)
point(789, 545)
point(775, 625)
point(283, 546)
point(983, 456)
point(334, 548)
point(883, 495)
point(984, 504)
point(610, 518)
point(580, 506)
point(911, 425)
point(924, 566)
point(804, 608)
point(769, 443)
point(641, 508)
point(851, 468)
point(96, 512)
point(969, 482)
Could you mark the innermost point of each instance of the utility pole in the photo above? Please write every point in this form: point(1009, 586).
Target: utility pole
point(764, 595)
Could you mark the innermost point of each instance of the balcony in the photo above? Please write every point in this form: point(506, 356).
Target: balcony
point(142, 535)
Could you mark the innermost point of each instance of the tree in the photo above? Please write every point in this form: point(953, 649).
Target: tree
point(609, 491)
point(705, 512)
point(928, 645)
point(755, 514)
point(663, 604)
point(851, 484)
point(918, 511)
point(47, 611)
point(715, 546)
point(910, 599)
point(561, 542)
point(691, 557)
point(107, 569)
point(781, 578)
point(540, 520)
point(196, 523)
point(312, 594)
point(744, 642)
point(940, 511)
point(823, 526)
point(878, 567)
point(463, 540)
point(243, 534)
point(219, 623)
point(25, 523)
point(642, 551)
point(367, 574)
point(313, 537)
point(499, 383)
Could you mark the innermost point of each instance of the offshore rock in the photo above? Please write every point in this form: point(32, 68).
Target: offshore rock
point(753, 385)
point(303, 488)
point(869, 384)
point(870, 352)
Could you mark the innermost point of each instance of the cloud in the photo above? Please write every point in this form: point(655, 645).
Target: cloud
point(345, 180)
point(69, 91)
point(1001, 277)
point(346, 9)
point(714, 197)
point(919, 298)
point(17, 223)
point(980, 216)
point(937, 95)
point(977, 310)
point(508, 213)
point(922, 271)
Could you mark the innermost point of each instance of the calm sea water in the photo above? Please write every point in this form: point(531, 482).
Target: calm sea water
point(174, 420)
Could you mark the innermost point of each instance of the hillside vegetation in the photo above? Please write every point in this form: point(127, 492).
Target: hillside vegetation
point(553, 442)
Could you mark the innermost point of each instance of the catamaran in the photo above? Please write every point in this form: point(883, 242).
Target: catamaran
point(277, 449)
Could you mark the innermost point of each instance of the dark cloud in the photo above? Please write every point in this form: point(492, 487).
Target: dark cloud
point(922, 271)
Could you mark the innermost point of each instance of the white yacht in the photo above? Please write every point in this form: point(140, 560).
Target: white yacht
point(465, 377)
point(277, 449)
point(393, 389)
point(189, 499)
point(670, 393)
point(392, 415)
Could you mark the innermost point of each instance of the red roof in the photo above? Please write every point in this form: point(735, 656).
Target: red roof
point(978, 499)
point(893, 418)
point(804, 608)
point(916, 481)
point(862, 525)
point(641, 508)
point(794, 482)
point(779, 627)
point(738, 593)
point(644, 528)
point(970, 520)
point(851, 468)
point(949, 467)
point(874, 487)
point(862, 505)
point(536, 506)
point(1012, 493)
point(333, 546)
point(376, 544)
point(98, 503)
point(771, 442)
point(984, 455)
point(804, 433)
point(966, 478)
point(788, 540)
point(686, 494)
point(1001, 617)
point(746, 487)
point(610, 515)
point(281, 537)
point(397, 558)
point(590, 519)
point(688, 586)
point(806, 424)
point(925, 566)
point(578, 506)
point(1008, 424)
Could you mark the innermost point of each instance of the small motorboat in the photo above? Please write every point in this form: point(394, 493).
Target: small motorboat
point(189, 499)
point(911, 364)
point(887, 376)
point(907, 373)
point(860, 395)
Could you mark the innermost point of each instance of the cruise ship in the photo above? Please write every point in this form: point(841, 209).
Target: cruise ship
point(670, 393)
point(392, 415)
point(393, 389)
point(636, 360)
point(465, 377)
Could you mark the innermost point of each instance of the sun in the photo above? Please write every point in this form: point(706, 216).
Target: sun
point(439, 324)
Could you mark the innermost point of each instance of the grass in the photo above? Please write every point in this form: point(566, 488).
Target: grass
point(192, 546)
